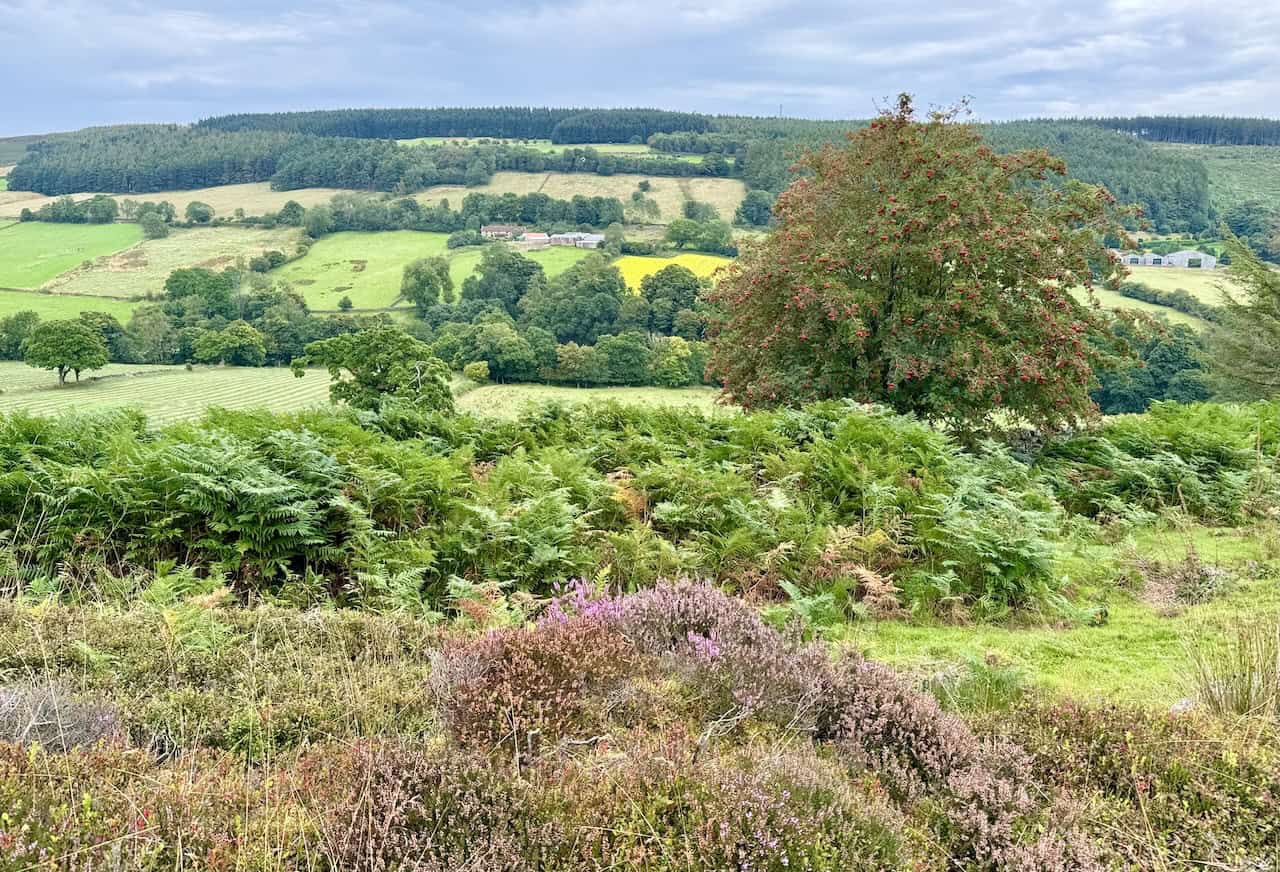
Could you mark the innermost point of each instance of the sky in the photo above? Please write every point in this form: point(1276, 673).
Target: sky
point(75, 63)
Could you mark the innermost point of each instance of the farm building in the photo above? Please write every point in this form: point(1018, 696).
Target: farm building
point(1186, 259)
point(533, 240)
point(578, 240)
point(501, 231)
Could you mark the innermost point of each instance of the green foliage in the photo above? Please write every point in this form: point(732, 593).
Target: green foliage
point(1242, 345)
point(378, 366)
point(198, 213)
point(427, 282)
point(477, 371)
point(65, 346)
point(153, 226)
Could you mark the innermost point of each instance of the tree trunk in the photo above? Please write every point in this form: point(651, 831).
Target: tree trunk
point(62, 376)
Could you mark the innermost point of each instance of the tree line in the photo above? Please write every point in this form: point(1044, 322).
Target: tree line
point(565, 126)
point(148, 158)
point(1194, 129)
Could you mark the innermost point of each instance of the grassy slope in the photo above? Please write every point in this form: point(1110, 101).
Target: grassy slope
point(1137, 656)
point(142, 269)
point(1237, 173)
point(62, 306)
point(163, 393)
point(329, 271)
point(506, 401)
point(1199, 283)
point(33, 253)
point(635, 268)
point(1113, 300)
point(366, 267)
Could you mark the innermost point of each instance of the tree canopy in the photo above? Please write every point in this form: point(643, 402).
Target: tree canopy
point(65, 346)
point(382, 363)
point(1244, 346)
point(917, 267)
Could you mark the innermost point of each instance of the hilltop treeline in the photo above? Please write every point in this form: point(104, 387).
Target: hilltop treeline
point(565, 126)
point(146, 158)
point(356, 149)
point(1173, 190)
point(1195, 129)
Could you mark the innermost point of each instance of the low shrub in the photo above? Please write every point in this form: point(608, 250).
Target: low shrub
point(1168, 791)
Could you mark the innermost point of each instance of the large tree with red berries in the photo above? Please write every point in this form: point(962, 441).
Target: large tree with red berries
point(916, 267)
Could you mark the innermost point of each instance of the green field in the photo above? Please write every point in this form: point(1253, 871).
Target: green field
point(506, 401)
point(1113, 300)
point(1138, 656)
point(368, 267)
point(50, 306)
point(364, 266)
point(33, 253)
point(635, 268)
point(1203, 284)
point(142, 268)
point(163, 393)
point(1237, 173)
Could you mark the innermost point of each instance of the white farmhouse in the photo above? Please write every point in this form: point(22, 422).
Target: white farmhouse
point(1186, 259)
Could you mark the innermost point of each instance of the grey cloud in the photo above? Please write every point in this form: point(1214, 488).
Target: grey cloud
point(80, 62)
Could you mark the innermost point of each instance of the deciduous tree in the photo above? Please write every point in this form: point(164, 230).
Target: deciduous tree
point(382, 363)
point(65, 346)
point(916, 267)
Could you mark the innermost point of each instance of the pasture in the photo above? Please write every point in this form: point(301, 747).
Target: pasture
point(1114, 300)
point(540, 144)
point(507, 401)
point(635, 268)
point(143, 268)
point(163, 393)
point(670, 193)
point(1203, 284)
point(367, 267)
point(56, 306)
point(32, 253)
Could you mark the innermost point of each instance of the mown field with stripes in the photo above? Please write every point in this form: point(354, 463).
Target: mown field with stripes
point(163, 393)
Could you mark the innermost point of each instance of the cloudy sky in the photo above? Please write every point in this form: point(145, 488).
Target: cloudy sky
point(72, 63)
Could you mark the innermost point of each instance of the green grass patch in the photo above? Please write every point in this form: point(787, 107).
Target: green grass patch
point(52, 306)
point(34, 252)
point(1138, 655)
point(367, 267)
point(508, 401)
point(1203, 284)
point(1114, 300)
point(163, 393)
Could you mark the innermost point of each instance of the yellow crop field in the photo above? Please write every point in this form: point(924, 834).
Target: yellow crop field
point(634, 268)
